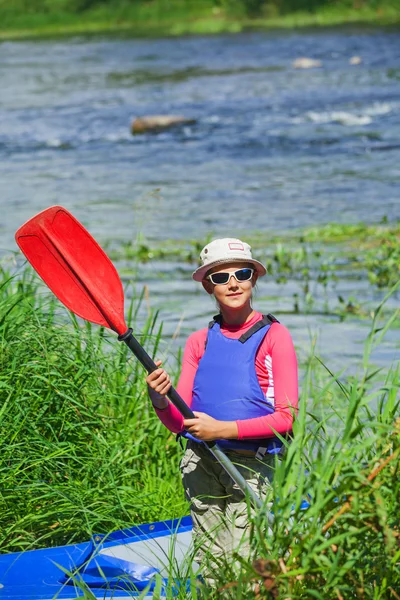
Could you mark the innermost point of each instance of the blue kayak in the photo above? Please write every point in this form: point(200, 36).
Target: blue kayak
point(121, 564)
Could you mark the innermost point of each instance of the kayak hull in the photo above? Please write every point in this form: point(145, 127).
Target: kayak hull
point(122, 564)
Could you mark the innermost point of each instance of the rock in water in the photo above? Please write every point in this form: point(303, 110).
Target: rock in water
point(156, 123)
point(306, 63)
point(355, 60)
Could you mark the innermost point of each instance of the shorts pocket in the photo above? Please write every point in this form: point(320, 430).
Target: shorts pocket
point(186, 459)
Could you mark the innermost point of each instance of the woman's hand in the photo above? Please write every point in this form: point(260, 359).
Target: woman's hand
point(159, 384)
point(206, 428)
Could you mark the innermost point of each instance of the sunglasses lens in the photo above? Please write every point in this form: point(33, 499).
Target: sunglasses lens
point(219, 278)
point(243, 274)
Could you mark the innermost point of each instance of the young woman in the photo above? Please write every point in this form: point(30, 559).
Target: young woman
point(239, 376)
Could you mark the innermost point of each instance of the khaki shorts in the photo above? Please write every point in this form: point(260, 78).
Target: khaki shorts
point(219, 510)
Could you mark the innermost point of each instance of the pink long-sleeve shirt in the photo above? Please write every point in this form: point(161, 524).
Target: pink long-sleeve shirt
point(276, 370)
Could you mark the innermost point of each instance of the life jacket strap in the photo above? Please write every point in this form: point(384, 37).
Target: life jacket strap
point(266, 320)
point(215, 319)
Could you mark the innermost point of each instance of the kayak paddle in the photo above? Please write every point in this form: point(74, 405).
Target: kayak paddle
point(80, 274)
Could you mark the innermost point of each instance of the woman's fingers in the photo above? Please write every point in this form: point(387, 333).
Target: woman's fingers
point(156, 375)
point(194, 426)
point(159, 380)
point(204, 427)
point(156, 372)
point(163, 388)
point(160, 383)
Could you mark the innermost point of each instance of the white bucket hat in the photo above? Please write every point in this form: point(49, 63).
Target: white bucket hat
point(225, 250)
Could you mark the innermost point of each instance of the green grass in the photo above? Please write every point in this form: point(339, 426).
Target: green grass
point(82, 452)
point(81, 449)
point(180, 17)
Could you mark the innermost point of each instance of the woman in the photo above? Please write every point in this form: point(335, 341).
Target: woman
point(239, 376)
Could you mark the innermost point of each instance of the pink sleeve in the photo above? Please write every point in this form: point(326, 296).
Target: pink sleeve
point(278, 345)
point(194, 350)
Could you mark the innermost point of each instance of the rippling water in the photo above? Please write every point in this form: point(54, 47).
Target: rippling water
point(274, 148)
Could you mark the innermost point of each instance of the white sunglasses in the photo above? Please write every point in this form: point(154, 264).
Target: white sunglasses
point(223, 277)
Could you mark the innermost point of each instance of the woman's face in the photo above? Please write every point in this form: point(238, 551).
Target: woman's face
point(234, 294)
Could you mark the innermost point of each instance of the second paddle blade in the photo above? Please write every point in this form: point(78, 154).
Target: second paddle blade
point(74, 266)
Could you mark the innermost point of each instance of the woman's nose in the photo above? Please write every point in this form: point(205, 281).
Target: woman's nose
point(232, 281)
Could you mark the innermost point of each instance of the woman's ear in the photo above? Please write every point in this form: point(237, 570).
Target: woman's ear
point(208, 286)
point(254, 278)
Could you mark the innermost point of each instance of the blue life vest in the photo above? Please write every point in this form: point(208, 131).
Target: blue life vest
point(226, 385)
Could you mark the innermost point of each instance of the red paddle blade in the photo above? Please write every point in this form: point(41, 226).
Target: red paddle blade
point(72, 264)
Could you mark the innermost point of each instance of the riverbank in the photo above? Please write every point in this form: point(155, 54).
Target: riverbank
point(177, 17)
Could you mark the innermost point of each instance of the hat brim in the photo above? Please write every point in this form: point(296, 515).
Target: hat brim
point(200, 273)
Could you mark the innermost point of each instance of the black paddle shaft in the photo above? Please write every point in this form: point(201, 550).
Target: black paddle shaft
point(185, 411)
point(151, 366)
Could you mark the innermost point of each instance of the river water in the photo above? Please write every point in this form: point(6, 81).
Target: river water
point(273, 149)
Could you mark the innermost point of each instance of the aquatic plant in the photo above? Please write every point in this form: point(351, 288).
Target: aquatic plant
point(383, 262)
point(314, 259)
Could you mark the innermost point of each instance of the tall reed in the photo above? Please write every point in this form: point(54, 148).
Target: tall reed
point(81, 449)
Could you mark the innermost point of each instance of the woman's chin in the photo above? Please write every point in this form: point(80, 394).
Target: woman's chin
point(234, 303)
